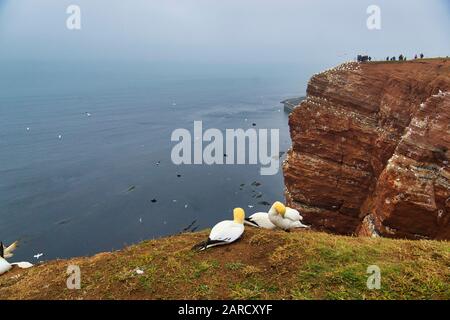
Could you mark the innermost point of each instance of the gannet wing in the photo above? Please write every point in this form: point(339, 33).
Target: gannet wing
point(261, 220)
point(8, 252)
point(292, 214)
point(226, 231)
point(22, 265)
point(251, 222)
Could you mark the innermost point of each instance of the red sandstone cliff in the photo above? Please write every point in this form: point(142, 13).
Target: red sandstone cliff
point(371, 149)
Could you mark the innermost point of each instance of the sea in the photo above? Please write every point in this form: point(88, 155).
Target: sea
point(85, 150)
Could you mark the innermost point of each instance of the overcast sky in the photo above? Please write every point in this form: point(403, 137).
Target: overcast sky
point(218, 31)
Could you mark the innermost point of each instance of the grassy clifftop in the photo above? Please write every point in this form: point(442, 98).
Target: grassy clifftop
point(262, 265)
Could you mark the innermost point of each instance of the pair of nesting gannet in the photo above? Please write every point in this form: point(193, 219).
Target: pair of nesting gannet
point(7, 252)
point(229, 231)
point(279, 216)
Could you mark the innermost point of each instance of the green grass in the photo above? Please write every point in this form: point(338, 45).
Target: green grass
point(234, 266)
point(263, 265)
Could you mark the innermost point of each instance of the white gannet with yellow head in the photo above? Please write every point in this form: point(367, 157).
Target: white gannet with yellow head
point(259, 220)
point(283, 218)
point(224, 232)
point(7, 252)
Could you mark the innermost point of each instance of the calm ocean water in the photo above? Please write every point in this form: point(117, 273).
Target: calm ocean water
point(73, 184)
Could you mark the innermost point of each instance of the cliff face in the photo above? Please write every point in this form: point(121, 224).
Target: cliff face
point(370, 150)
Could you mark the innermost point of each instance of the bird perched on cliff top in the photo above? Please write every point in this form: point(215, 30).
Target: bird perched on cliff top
point(224, 232)
point(7, 252)
point(259, 220)
point(285, 219)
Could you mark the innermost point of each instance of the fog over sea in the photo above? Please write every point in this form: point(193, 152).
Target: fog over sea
point(86, 116)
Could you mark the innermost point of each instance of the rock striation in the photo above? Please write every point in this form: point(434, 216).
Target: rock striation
point(371, 149)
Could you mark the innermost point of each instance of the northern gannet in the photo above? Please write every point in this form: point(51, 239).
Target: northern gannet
point(259, 220)
point(283, 218)
point(224, 232)
point(6, 252)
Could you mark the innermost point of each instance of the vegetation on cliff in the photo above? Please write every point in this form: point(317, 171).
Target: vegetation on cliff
point(262, 265)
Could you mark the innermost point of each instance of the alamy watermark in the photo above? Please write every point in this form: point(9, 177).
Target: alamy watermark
point(374, 280)
point(228, 149)
point(73, 22)
point(374, 20)
point(73, 282)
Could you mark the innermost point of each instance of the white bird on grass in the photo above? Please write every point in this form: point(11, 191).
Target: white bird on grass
point(224, 232)
point(6, 252)
point(259, 220)
point(285, 219)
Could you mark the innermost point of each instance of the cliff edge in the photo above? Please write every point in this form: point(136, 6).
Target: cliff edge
point(370, 150)
point(264, 264)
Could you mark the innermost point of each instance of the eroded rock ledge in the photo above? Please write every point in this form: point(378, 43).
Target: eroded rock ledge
point(371, 149)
